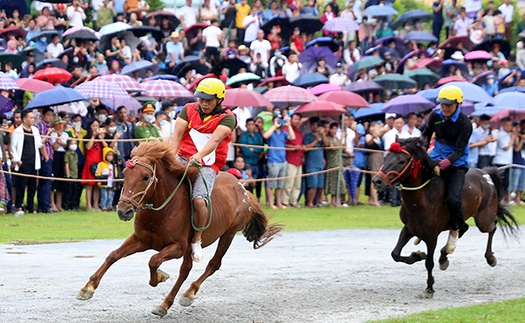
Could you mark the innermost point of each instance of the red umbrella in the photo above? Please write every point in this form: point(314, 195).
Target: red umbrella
point(276, 79)
point(244, 97)
point(448, 79)
point(192, 30)
point(345, 98)
point(321, 109)
point(53, 75)
point(289, 95)
point(34, 85)
point(427, 62)
point(477, 55)
point(455, 40)
point(193, 85)
point(16, 31)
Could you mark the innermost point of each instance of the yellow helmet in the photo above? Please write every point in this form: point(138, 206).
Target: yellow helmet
point(210, 88)
point(450, 94)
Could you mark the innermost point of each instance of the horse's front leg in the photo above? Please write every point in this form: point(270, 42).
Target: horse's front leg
point(404, 237)
point(429, 264)
point(172, 251)
point(130, 246)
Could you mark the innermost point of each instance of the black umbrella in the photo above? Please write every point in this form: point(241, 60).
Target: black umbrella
point(17, 60)
point(55, 62)
point(233, 64)
point(308, 24)
point(68, 52)
point(48, 33)
point(56, 1)
point(199, 69)
point(488, 44)
point(82, 34)
point(143, 31)
point(38, 54)
point(283, 23)
point(183, 62)
point(411, 16)
point(10, 5)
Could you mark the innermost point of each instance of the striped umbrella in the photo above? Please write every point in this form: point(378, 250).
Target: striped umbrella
point(125, 82)
point(7, 83)
point(341, 24)
point(289, 95)
point(165, 89)
point(102, 89)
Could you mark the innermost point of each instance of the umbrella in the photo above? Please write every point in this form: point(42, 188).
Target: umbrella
point(83, 34)
point(6, 105)
point(449, 79)
point(145, 30)
point(277, 79)
point(323, 88)
point(324, 42)
point(401, 64)
point(466, 107)
point(183, 100)
point(513, 114)
point(430, 94)
point(54, 62)
point(289, 95)
point(261, 89)
point(411, 16)
point(167, 77)
point(310, 56)
point(165, 89)
point(364, 87)
point(341, 24)
point(243, 77)
point(47, 33)
point(484, 108)
point(161, 14)
point(131, 104)
point(386, 40)
point(372, 114)
point(395, 81)
point(244, 97)
point(487, 45)
point(366, 62)
point(102, 89)
point(379, 11)
point(113, 28)
point(200, 78)
point(125, 82)
point(195, 66)
point(34, 85)
point(321, 109)
point(478, 55)
point(186, 60)
point(510, 100)
point(194, 29)
point(512, 89)
point(131, 40)
point(456, 42)
point(481, 78)
point(232, 64)
point(282, 22)
point(10, 5)
point(472, 92)
point(53, 75)
point(141, 66)
point(421, 36)
point(57, 96)
point(345, 98)
point(75, 29)
point(429, 62)
point(308, 24)
point(16, 31)
point(310, 79)
point(405, 104)
point(17, 60)
point(423, 76)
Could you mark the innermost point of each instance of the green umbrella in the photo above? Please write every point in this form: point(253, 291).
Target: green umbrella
point(395, 81)
point(17, 60)
point(423, 76)
point(243, 77)
point(261, 89)
point(366, 62)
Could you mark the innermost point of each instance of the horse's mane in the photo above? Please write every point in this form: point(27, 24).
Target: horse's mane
point(416, 148)
point(164, 153)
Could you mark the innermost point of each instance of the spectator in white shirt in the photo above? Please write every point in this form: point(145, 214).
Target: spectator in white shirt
point(252, 24)
point(40, 5)
point(504, 149)
point(188, 15)
point(260, 46)
point(462, 23)
point(212, 37)
point(410, 128)
point(292, 69)
point(277, 62)
point(339, 78)
point(351, 54)
point(55, 48)
point(507, 10)
point(75, 15)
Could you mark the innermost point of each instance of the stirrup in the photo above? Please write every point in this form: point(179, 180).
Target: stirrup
point(451, 244)
point(197, 255)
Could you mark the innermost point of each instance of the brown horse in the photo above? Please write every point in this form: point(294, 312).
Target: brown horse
point(151, 179)
point(424, 211)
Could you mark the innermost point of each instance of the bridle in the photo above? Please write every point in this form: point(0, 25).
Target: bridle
point(152, 180)
point(385, 176)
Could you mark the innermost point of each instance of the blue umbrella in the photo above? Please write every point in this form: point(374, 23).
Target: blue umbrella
point(243, 77)
point(167, 77)
point(405, 104)
point(141, 66)
point(483, 108)
point(55, 62)
point(310, 79)
point(113, 28)
point(421, 36)
point(430, 94)
point(395, 81)
point(471, 92)
point(324, 42)
point(312, 55)
point(373, 113)
point(379, 11)
point(411, 16)
point(57, 96)
point(510, 100)
point(445, 66)
point(513, 89)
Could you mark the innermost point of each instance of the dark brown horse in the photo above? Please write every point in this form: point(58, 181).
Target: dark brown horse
point(153, 174)
point(424, 211)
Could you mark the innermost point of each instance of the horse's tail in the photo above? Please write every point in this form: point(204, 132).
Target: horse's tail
point(257, 230)
point(505, 219)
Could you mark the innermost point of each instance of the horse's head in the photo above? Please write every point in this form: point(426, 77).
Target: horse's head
point(400, 164)
point(140, 179)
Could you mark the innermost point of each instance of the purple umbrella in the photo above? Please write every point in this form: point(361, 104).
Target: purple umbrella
point(313, 54)
point(7, 83)
point(401, 64)
point(478, 55)
point(386, 40)
point(405, 104)
point(6, 104)
point(363, 87)
point(466, 107)
point(324, 88)
point(481, 78)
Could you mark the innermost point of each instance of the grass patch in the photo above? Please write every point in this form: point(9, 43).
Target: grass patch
point(504, 312)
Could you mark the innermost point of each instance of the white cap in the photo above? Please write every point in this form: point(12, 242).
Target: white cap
point(389, 115)
point(458, 56)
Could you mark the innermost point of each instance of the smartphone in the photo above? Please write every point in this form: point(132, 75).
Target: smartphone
point(281, 122)
point(132, 113)
point(120, 128)
point(4, 122)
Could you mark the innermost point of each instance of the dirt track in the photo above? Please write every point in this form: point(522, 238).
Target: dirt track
point(330, 276)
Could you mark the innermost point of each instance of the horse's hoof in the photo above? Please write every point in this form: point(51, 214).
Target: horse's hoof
point(84, 295)
point(428, 294)
point(494, 262)
point(417, 241)
point(162, 276)
point(444, 266)
point(160, 311)
point(422, 255)
point(185, 300)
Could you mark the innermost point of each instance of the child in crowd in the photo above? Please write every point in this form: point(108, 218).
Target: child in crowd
point(106, 172)
point(71, 172)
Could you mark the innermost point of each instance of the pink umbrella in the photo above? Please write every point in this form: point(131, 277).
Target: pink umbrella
point(34, 85)
point(514, 115)
point(448, 79)
point(321, 109)
point(455, 40)
point(289, 95)
point(345, 98)
point(323, 88)
point(126, 82)
point(427, 62)
point(165, 89)
point(244, 97)
point(477, 55)
point(277, 79)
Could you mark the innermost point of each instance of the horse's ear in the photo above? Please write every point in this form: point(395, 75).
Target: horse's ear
point(423, 142)
point(401, 141)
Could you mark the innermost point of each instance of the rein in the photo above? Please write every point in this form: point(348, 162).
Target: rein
point(153, 179)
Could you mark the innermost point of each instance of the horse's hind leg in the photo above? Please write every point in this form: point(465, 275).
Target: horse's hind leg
point(489, 255)
point(157, 276)
point(404, 237)
point(130, 246)
point(214, 265)
point(429, 264)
